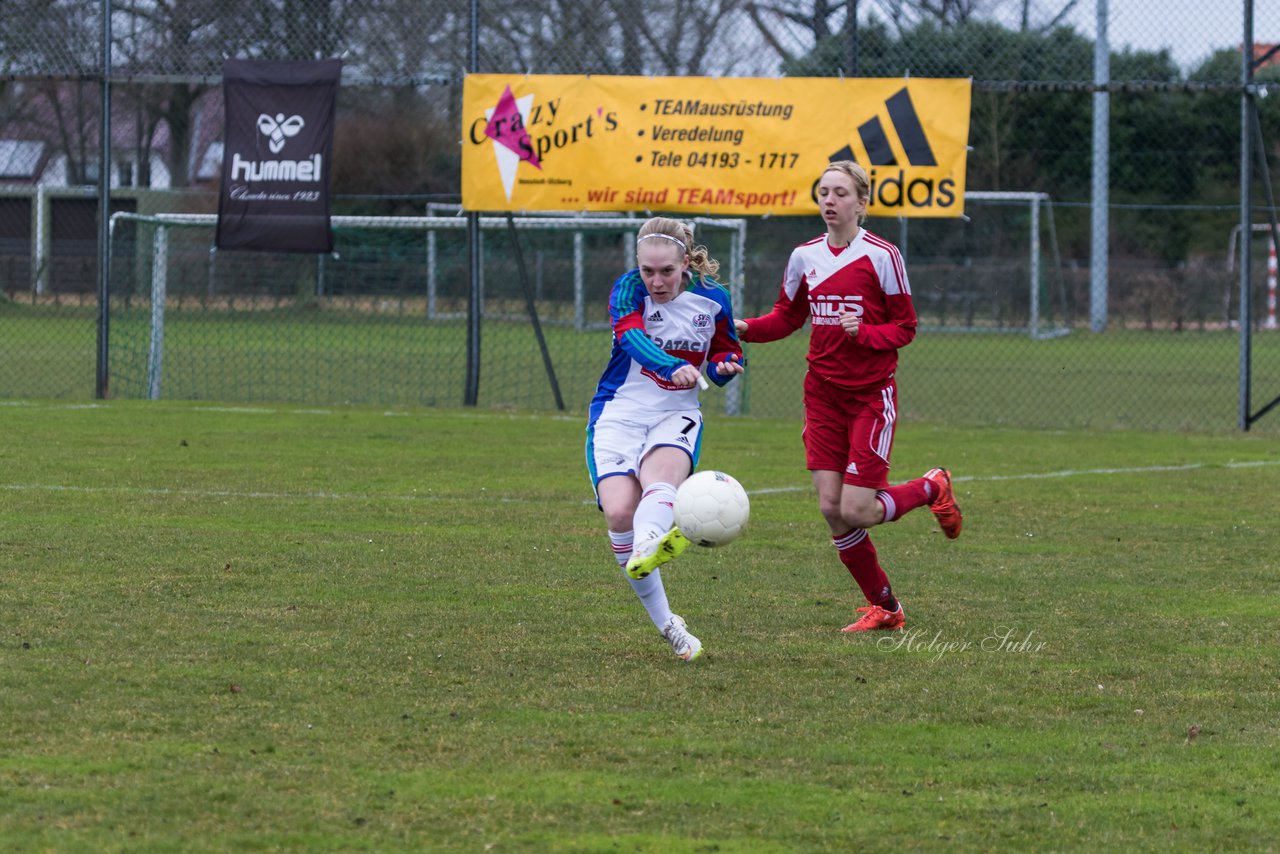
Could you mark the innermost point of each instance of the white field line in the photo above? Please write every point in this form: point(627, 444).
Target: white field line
point(1065, 473)
point(338, 496)
point(231, 493)
point(285, 410)
point(350, 496)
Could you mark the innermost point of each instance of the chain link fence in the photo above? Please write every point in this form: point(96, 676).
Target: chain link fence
point(382, 321)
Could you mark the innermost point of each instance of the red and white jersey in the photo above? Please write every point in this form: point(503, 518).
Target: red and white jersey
point(867, 278)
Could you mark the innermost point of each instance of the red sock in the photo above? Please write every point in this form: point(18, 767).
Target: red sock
point(859, 557)
point(900, 500)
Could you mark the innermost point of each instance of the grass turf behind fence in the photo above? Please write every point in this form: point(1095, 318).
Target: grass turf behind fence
point(1129, 379)
point(351, 629)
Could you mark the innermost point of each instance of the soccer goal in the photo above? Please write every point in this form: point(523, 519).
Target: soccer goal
point(579, 227)
point(392, 274)
point(996, 270)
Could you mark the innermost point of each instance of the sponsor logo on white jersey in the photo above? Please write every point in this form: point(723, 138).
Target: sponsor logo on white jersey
point(656, 317)
point(679, 344)
point(826, 309)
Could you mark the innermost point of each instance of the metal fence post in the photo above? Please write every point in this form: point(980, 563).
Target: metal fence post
point(579, 297)
point(733, 402)
point(104, 212)
point(1035, 268)
point(1100, 238)
point(1246, 218)
point(159, 289)
point(40, 250)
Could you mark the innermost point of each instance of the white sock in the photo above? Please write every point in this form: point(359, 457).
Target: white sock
point(650, 590)
point(654, 514)
point(622, 544)
point(653, 596)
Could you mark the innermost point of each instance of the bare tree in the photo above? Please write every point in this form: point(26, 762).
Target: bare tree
point(680, 40)
point(184, 42)
point(1032, 16)
point(408, 40)
point(70, 112)
point(906, 13)
point(814, 22)
point(175, 39)
point(794, 30)
point(664, 37)
point(48, 38)
point(1046, 21)
point(54, 39)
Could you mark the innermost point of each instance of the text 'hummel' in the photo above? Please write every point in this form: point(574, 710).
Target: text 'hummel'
point(275, 170)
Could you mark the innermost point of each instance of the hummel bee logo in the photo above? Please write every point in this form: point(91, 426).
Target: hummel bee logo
point(276, 129)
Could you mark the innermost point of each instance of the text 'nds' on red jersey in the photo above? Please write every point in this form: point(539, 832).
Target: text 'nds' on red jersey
point(868, 278)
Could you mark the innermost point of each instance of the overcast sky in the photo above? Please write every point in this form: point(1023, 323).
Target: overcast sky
point(1191, 29)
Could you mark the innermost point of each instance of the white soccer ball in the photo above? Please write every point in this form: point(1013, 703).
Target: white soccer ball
point(711, 508)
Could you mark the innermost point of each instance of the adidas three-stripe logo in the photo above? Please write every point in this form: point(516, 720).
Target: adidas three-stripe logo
point(906, 122)
point(895, 185)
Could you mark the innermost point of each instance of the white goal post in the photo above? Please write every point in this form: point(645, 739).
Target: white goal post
point(578, 225)
point(1034, 201)
point(1037, 206)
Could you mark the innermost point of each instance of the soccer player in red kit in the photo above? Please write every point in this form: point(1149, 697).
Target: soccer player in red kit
point(853, 286)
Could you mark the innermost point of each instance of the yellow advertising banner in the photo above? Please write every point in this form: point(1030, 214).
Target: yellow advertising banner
point(698, 145)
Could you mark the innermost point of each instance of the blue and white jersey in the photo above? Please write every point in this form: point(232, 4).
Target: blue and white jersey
point(652, 340)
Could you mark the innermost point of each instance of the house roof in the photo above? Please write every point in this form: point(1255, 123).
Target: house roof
point(21, 159)
point(27, 145)
point(1271, 51)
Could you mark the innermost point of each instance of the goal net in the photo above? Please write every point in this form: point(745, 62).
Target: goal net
point(385, 320)
point(382, 319)
point(998, 269)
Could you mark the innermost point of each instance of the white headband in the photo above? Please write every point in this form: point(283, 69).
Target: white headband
point(664, 237)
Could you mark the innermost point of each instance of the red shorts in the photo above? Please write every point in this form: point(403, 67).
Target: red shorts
point(850, 432)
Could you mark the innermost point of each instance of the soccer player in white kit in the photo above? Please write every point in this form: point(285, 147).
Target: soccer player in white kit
point(644, 434)
point(852, 286)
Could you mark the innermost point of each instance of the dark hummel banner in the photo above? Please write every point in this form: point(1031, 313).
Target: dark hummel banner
point(276, 155)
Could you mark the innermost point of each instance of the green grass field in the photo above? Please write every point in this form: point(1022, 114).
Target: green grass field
point(1125, 379)
point(360, 629)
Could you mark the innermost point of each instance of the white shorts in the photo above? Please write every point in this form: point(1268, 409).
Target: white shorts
point(616, 446)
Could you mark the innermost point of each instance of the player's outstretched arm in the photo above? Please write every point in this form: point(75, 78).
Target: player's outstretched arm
point(730, 367)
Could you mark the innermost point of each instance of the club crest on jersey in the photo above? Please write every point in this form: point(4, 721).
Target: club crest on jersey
point(701, 321)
